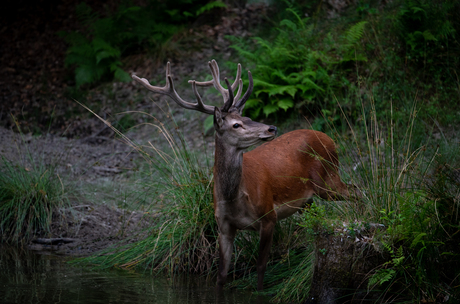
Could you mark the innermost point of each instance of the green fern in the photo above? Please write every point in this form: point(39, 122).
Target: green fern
point(350, 46)
point(421, 21)
point(85, 14)
point(209, 6)
point(295, 68)
point(384, 275)
point(354, 34)
point(380, 277)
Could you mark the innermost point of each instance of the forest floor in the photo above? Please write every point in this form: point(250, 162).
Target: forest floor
point(87, 154)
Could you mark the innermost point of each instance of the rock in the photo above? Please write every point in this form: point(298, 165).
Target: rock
point(344, 260)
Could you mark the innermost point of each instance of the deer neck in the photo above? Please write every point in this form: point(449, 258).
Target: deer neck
point(228, 168)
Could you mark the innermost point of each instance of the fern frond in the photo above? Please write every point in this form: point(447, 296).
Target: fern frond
point(381, 276)
point(85, 14)
point(209, 6)
point(355, 33)
point(297, 16)
point(288, 23)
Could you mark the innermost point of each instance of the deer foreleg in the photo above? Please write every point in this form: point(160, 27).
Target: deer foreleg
point(226, 238)
point(266, 238)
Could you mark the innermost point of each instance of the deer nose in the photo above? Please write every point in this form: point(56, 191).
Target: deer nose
point(272, 129)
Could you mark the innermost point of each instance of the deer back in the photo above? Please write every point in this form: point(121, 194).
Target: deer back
point(289, 170)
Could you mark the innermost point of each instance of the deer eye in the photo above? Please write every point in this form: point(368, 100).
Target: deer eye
point(236, 126)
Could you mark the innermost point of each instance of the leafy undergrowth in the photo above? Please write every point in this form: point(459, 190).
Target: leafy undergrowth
point(295, 70)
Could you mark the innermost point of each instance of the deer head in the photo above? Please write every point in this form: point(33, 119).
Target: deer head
point(230, 126)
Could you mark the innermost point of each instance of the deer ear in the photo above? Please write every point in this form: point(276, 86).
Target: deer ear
point(218, 119)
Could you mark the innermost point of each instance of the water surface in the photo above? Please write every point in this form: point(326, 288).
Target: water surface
point(28, 277)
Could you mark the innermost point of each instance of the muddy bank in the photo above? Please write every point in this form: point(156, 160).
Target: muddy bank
point(88, 229)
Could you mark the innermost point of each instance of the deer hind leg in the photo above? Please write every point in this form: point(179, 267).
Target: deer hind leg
point(226, 238)
point(266, 239)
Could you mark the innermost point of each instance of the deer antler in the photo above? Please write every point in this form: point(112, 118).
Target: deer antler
point(240, 103)
point(226, 92)
point(169, 90)
point(216, 81)
point(229, 99)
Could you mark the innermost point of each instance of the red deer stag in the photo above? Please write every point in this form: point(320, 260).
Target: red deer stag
point(255, 189)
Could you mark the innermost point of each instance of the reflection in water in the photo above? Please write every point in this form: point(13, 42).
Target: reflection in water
point(26, 277)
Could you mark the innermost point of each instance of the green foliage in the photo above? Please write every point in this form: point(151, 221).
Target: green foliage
point(413, 50)
point(384, 275)
point(314, 219)
point(296, 68)
point(96, 50)
point(425, 27)
point(288, 278)
point(398, 178)
point(93, 59)
point(30, 193)
point(209, 6)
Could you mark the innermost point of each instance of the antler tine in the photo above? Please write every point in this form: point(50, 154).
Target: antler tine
point(215, 72)
point(216, 77)
point(240, 89)
point(240, 103)
point(168, 69)
point(229, 101)
point(169, 90)
point(198, 97)
point(238, 78)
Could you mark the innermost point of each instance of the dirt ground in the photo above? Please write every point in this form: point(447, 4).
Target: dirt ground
point(58, 131)
point(92, 222)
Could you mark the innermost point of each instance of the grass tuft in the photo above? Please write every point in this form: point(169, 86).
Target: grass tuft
point(30, 193)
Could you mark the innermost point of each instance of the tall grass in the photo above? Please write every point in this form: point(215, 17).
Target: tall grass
point(30, 193)
point(410, 187)
point(405, 187)
point(184, 235)
point(288, 277)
